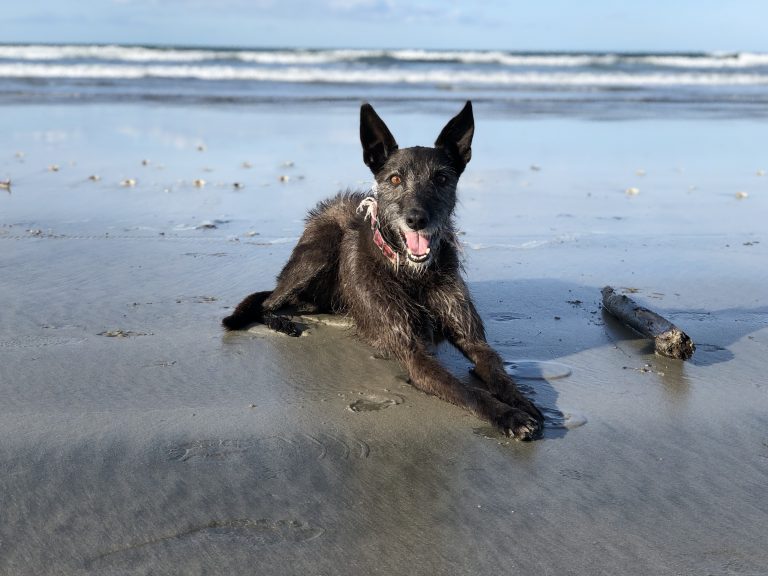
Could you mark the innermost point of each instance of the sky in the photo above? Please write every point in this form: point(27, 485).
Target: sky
point(535, 25)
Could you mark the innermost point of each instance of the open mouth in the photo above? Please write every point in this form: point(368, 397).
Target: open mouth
point(417, 245)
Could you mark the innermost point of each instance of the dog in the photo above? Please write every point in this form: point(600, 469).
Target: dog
point(390, 261)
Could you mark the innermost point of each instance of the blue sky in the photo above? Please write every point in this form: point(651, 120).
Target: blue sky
point(649, 25)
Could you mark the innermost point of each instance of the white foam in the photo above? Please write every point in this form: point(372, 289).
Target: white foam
point(149, 54)
point(504, 58)
point(314, 57)
point(741, 60)
point(303, 57)
point(738, 60)
point(377, 75)
point(120, 53)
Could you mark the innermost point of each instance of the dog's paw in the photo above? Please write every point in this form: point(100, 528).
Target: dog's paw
point(522, 421)
point(284, 325)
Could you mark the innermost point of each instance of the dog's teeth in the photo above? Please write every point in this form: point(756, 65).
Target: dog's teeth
point(418, 256)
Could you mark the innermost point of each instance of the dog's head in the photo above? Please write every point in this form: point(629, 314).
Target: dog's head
point(416, 187)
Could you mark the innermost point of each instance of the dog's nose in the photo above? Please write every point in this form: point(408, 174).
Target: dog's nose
point(416, 218)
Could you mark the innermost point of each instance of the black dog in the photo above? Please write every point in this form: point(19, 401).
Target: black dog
point(389, 261)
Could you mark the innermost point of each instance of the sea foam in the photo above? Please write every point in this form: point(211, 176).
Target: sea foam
point(376, 75)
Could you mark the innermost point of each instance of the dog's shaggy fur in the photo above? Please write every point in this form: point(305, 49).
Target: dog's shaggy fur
point(389, 260)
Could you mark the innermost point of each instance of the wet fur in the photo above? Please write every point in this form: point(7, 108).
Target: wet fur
point(400, 310)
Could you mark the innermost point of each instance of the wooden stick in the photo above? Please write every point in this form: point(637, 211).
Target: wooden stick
point(669, 340)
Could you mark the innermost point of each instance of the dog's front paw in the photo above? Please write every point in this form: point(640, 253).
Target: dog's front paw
point(284, 325)
point(523, 421)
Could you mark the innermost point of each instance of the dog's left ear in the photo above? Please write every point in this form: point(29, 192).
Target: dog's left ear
point(456, 138)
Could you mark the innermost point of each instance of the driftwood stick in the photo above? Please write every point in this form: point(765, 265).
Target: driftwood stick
point(668, 339)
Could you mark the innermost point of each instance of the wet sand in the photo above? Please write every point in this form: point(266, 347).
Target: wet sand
point(137, 438)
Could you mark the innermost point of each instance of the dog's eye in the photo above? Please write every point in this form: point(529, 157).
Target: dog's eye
point(441, 179)
point(395, 179)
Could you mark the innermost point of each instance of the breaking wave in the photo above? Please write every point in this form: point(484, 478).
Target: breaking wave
point(376, 75)
point(150, 54)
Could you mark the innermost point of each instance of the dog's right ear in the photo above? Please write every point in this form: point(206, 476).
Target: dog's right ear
point(378, 142)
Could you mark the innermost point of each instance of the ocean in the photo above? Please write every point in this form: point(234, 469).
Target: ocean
point(594, 85)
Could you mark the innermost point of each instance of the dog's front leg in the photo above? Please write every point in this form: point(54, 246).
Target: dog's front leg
point(464, 329)
point(398, 338)
point(428, 375)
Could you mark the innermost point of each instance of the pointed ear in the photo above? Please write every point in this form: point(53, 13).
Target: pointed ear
point(378, 142)
point(456, 137)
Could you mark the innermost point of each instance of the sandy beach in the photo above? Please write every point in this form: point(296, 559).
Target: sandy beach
point(136, 437)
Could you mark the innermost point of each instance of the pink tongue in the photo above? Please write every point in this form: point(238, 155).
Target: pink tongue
point(417, 243)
